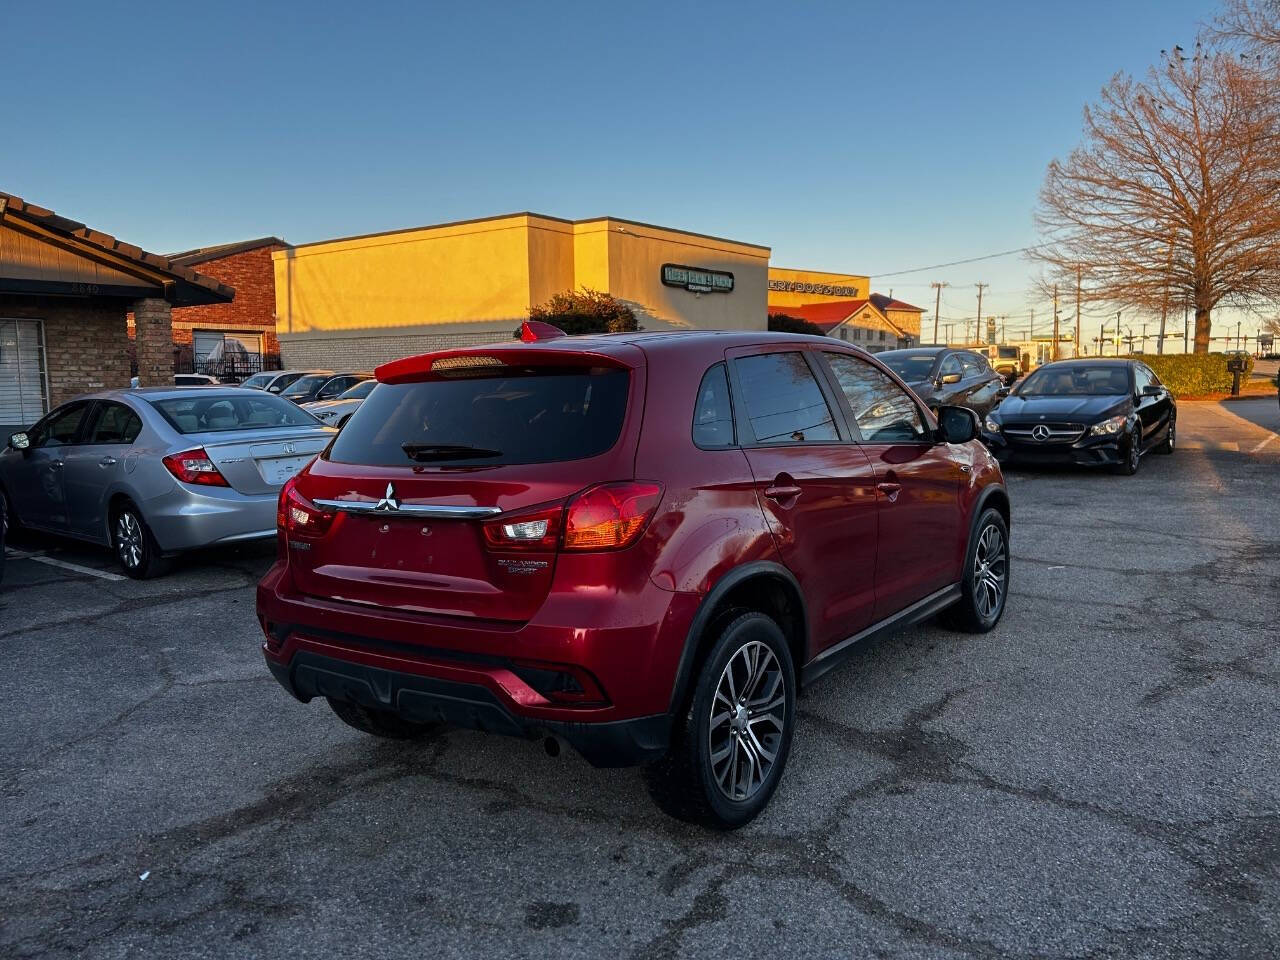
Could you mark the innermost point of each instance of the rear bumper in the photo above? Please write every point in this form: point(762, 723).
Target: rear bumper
point(477, 674)
point(187, 518)
point(471, 706)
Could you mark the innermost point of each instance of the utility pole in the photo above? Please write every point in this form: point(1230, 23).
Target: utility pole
point(1078, 272)
point(1186, 346)
point(981, 287)
point(1238, 345)
point(1117, 333)
point(1054, 354)
point(1031, 327)
point(937, 306)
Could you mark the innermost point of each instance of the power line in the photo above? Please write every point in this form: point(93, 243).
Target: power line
point(960, 263)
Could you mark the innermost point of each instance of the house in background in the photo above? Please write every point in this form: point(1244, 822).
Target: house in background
point(236, 339)
point(65, 292)
point(862, 321)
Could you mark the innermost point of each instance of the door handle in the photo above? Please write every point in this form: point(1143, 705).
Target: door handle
point(107, 462)
point(780, 492)
point(889, 489)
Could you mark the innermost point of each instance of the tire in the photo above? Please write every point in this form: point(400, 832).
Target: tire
point(1132, 455)
point(983, 597)
point(135, 548)
point(692, 782)
point(1166, 447)
point(9, 513)
point(381, 723)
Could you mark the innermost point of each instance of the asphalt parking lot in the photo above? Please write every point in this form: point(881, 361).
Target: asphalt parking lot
point(1097, 777)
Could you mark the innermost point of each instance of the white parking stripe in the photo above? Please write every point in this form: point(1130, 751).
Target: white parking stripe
point(1263, 443)
point(65, 565)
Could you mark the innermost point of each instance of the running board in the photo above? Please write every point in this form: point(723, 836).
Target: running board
point(920, 610)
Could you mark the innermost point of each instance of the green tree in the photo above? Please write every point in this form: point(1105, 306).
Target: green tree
point(781, 323)
point(586, 311)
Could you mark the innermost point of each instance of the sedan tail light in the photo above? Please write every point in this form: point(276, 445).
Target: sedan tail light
point(610, 516)
point(194, 466)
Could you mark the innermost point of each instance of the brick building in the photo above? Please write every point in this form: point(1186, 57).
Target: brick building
point(65, 293)
point(237, 338)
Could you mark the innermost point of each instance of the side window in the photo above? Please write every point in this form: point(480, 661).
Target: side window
point(60, 427)
point(712, 413)
point(972, 365)
point(951, 366)
point(783, 401)
point(1141, 377)
point(1151, 375)
point(883, 412)
point(116, 424)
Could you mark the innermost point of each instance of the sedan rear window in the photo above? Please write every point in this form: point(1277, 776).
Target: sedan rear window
point(537, 416)
point(911, 367)
point(253, 411)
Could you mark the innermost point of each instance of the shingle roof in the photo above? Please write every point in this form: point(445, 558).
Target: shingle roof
point(189, 287)
point(204, 254)
point(889, 303)
point(829, 314)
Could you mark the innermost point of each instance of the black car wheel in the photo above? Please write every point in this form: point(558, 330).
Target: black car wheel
point(731, 748)
point(1131, 454)
point(985, 587)
point(135, 548)
point(1170, 438)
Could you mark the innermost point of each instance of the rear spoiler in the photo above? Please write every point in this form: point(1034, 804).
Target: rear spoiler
point(487, 361)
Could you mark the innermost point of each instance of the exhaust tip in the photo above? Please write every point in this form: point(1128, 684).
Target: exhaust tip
point(552, 746)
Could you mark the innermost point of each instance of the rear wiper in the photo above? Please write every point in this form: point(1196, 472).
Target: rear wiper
point(424, 452)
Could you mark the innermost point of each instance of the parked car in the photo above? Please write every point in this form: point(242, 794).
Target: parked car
point(940, 375)
point(338, 411)
point(1006, 361)
point(1086, 411)
point(640, 544)
point(156, 471)
point(321, 386)
point(274, 381)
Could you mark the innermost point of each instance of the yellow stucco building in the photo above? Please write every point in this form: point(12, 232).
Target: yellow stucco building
point(359, 301)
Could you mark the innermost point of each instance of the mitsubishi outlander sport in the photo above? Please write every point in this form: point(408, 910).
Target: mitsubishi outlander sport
point(639, 544)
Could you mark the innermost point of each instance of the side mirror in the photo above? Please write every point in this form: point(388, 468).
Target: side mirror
point(957, 424)
point(19, 441)
point(1151, 390)
point(949, 378)
point(274, 388)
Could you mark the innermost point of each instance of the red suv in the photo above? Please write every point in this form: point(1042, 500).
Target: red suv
point(641, 544)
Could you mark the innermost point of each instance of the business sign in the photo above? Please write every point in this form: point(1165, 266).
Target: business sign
point(696, 280)
point(822, 289)
point(1265, 342)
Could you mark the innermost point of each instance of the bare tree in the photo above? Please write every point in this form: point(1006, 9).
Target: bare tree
point(1253, 25)
point(1174, 192)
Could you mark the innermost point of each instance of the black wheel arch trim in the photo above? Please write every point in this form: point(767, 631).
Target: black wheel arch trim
point(707, 609)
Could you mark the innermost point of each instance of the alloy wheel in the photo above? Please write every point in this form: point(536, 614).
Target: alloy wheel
point(129, 540)
point(748, 718)
point(990, 571)
point(1173, 429)
point(1135, 451)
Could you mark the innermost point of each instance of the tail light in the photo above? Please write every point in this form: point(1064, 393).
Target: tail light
point(610, 516)
point(298, 517)
point(194, 466)
point(537, 529)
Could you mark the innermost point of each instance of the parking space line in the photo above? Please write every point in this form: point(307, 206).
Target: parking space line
point(63, 564)
point(1263, 444)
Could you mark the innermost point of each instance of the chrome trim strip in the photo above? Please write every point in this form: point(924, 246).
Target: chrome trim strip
point(438, 510)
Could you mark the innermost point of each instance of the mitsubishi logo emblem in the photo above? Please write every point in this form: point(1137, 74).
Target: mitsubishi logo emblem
point(388, 501)
point(1038, 432)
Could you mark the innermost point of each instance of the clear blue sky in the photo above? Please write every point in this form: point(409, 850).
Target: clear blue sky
point(862, 137)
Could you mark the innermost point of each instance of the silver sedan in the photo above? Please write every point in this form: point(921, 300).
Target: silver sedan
point(157, 471)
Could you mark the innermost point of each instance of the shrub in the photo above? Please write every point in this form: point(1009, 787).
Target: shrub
point(586, 311)
point(781, 323)
point(1193, 374)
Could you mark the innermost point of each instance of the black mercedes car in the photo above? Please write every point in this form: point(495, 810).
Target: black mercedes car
point(941, 376)
point(1086, 411)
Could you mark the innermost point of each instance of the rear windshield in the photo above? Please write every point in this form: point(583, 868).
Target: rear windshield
point(538, 416)
point(253, 411)
point(910, 366)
